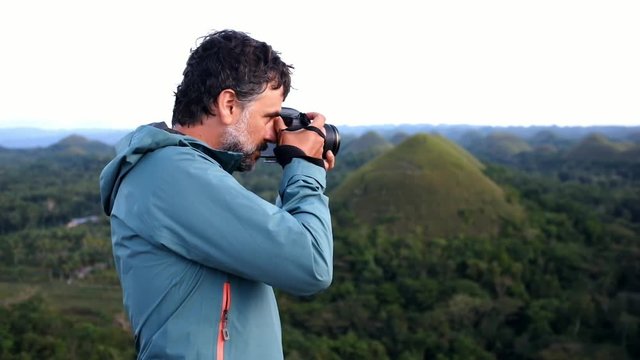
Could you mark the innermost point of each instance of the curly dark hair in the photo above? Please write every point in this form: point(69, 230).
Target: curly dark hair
point(227, 59)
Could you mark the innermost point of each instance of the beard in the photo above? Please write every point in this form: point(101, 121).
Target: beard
point(236, 139)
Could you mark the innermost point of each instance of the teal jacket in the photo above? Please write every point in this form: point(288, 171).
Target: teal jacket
point(198, 254)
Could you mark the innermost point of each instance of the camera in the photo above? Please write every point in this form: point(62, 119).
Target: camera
point(296, 120)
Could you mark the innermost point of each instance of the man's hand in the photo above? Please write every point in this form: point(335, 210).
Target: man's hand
point(308, 141)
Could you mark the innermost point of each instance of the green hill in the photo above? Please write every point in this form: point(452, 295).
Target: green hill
point(428, 184)
point(505, 144)
point(79, 145)
point(544, 137)
point(547, 141)
point(496, 146)
point(398, 137)
point(370, 141)
point(596, 147)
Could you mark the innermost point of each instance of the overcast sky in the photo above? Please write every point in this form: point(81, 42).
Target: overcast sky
point(116, 64)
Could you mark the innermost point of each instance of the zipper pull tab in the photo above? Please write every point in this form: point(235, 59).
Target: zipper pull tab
point(225, 321)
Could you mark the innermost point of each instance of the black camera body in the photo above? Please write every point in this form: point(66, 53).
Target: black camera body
point(296, 120)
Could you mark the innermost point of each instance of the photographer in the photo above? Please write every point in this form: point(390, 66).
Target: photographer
point(197, 253)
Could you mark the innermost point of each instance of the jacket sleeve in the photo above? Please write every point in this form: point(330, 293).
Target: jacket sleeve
point(201, 212)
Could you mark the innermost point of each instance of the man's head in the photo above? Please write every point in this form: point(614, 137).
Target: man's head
point(232, 60)
point(238, 83)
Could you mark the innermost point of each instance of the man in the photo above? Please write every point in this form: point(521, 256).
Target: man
point(198, 254)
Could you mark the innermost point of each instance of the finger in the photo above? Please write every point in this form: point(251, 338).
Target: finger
point(329, 161)
point(279, 125)
point(317, 119)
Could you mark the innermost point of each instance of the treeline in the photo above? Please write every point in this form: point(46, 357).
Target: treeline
point(58, 252)
point(32, 330)
point(47, 187)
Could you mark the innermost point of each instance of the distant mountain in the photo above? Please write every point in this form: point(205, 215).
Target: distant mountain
point(428, 184)
point(73, 148)
point(457, 132)
point(23, 138)
point(32, 137)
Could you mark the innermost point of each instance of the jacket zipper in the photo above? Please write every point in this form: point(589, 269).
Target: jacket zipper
point(223, 330)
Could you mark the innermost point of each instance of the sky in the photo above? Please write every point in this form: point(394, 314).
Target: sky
point(116, 64)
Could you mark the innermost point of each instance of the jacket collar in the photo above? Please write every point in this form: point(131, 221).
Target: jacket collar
point(228, 160)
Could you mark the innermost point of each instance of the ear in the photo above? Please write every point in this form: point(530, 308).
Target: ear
point(227, 107)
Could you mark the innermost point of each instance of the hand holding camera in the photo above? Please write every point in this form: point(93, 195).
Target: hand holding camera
point(315, 140)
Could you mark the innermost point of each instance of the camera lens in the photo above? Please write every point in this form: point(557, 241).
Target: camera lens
point(332, 140)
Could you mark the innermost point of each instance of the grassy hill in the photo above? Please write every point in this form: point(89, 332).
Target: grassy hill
point(428, 184)
point(398, 137)
point(597, 147)
point(497, 146)
point(548, 141)
point(80, 145)
point(506, 144)
point(370, 141)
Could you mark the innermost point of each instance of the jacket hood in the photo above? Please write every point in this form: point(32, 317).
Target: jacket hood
point(145, 139)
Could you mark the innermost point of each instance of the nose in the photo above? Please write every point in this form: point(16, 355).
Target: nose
point(270, 133)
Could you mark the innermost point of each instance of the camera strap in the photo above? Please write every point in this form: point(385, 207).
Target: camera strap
point(285, 153)
point(316, 130)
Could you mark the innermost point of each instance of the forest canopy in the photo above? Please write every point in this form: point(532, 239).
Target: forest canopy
point(561, 281)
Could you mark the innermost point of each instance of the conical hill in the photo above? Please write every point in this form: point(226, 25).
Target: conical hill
point(505, 144)
point(597, 147)
point(79, 145)
point(428, 184)
point(370, 142)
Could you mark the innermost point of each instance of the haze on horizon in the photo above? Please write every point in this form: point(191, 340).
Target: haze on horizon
point(116, 64)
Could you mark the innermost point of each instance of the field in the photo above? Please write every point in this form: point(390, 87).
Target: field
point(96, 303)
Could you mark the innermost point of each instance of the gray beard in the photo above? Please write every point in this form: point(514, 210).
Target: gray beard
point(247, 162)
point(236, 139)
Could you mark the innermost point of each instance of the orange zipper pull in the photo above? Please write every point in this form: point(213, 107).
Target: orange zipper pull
point(225, 310)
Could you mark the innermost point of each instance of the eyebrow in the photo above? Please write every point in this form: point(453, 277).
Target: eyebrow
point(272, 114)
